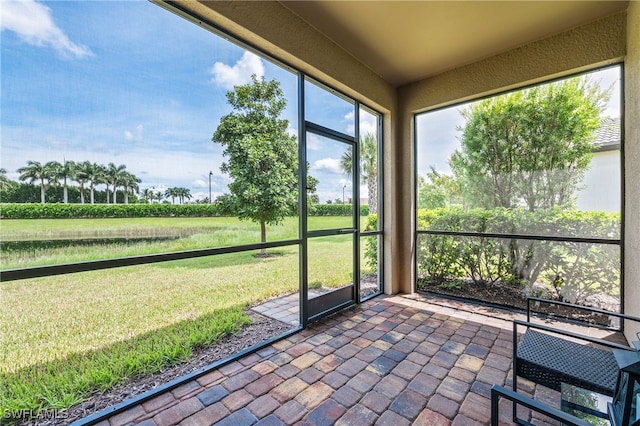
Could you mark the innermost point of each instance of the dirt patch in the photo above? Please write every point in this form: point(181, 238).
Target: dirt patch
point(260, 329)
point(495, 293)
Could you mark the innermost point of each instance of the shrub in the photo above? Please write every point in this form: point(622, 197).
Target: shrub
point(79, 211)
point(222, 207)
point(371, 243)
point(336, 210)
point(574, 270)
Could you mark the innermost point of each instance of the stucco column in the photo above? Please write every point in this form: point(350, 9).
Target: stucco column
point(632, 168)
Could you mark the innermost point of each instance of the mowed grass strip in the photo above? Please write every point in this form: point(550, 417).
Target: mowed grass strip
point(64, 337)
point(67, 336)
point(194, 233)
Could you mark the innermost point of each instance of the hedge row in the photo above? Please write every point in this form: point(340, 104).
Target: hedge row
point(79, 211)
point(573, 270)
point(336, 210)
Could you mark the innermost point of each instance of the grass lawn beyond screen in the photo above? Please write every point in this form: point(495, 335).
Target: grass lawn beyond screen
point(66, 336)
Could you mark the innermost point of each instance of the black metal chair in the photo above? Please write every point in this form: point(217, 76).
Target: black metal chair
point(498, 392)
point(550, 356)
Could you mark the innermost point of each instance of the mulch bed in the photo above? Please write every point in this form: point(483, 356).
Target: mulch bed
point(510, 296)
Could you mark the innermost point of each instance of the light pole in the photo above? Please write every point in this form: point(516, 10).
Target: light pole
point(343, 187)
point(210, 174)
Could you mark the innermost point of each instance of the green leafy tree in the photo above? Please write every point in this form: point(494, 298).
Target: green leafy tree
point(261, 155)
point(529, 148)
point(430, 196)
point(4, 180)
point(312, 189)
point(7, 186)
point(438, 191)
point(35, 171)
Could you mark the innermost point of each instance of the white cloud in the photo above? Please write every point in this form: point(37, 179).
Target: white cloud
point(33, 23)
point(313, 142)
point(292, 132)
point(331, 165)
point(199, 183)
point(240, 73)
point(136, 135)
point(368, 123)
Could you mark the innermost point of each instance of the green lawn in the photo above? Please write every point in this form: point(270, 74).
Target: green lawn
point(193, 233)
point(66, 336)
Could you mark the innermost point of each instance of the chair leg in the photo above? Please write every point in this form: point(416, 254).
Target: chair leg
point(515, 389)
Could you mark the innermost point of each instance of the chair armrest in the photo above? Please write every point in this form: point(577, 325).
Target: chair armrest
point(573, 335)
point(498, 392)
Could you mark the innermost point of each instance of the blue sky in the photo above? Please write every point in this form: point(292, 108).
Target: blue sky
point(131, 83)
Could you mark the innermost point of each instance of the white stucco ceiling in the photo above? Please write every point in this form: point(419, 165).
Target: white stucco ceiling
point(406, 41)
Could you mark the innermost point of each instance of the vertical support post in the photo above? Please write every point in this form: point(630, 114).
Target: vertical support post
point(495, 407)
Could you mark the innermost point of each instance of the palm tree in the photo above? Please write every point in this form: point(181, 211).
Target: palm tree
point(113, 176)
point(184, 193)
point(172, 193)
point(99, 177)
point(91, 173)
point(35, 171)
point(4, 180)
point(82, 177)
point(368, 167)
point(95, 176)
point(63, 171)
point(129, 184)
point(148, 195)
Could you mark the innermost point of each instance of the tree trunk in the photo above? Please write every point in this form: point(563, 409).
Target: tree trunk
point(372, 185)
point(42, 190)
point(263, 237)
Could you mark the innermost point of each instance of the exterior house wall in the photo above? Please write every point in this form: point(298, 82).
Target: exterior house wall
point(601, 183)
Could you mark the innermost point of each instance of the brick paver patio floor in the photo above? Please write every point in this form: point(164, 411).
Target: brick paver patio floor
point(393, 360)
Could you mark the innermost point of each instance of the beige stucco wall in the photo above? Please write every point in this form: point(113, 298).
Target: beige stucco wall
point(598, 43)
point(632, 168)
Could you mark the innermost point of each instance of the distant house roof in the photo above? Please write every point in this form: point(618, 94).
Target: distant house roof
point(608, 136)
